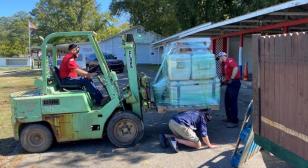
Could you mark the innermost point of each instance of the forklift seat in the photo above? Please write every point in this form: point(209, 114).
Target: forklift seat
point(56, 73)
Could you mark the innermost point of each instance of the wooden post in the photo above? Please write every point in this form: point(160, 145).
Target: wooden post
point(224, 44)
point(256, 84)
point(240, 54)
point(214, 46)
point(286, 29)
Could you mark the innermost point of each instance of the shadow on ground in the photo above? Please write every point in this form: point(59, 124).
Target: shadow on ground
point(272, 161)
point(76, 153)
point(103, 150)
point(8, 146)
point(221, 160)
point(93, 153)
point(24, 73)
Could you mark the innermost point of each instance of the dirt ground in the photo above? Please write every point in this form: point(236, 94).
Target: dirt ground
point(148, 153)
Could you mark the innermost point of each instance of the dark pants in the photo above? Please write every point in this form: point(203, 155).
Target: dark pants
point(88, 84)
point(231, 100)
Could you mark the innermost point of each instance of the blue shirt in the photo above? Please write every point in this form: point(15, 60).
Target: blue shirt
point(194, 120)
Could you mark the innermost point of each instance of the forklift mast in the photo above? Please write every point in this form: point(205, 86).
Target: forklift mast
point(132, 96)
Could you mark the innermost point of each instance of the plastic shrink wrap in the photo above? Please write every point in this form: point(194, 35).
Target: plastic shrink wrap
point(187, 76)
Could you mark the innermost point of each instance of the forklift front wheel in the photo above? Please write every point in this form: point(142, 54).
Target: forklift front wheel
point(36, 138)
point(125, 129)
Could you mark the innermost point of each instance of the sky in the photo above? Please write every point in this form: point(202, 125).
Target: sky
point(10, 7)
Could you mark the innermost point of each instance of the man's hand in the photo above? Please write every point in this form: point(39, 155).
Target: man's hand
point(213, 146)
point(90, 75)
point(208, 143)
point(225, 82)
point(229, 81)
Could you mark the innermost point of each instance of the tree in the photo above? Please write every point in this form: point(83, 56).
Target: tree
point(167, 17)
point(72, 15)
point(14, 34)
point(158, 16)
point(55, 16)
point(67, 15)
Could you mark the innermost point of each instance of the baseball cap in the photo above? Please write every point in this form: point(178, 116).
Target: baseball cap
point(220, 54)
point(72, 46)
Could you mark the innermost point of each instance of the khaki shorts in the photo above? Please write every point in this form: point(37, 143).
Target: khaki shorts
point(182, 131)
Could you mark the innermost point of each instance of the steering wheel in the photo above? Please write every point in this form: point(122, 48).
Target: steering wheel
point(95, 69)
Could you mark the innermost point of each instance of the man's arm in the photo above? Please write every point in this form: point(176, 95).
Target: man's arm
point(202, 131)
point(202, 128)
point(234, 72)
point(81, 72)
point(84, 73)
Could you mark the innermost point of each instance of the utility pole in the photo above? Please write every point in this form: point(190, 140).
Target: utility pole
point(30, 56)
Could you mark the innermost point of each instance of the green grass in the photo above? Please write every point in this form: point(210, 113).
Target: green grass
point(14, 68)
point(11, 80)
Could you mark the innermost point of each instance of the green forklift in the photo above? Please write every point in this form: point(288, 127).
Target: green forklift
point(56, 112)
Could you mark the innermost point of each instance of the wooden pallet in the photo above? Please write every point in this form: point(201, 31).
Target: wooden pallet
point(163, 109)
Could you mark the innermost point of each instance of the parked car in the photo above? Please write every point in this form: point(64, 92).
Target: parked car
point(112, 61)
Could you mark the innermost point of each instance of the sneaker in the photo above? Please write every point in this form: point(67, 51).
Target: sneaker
point(231, 125)
point(173, 144)
point(163, 141)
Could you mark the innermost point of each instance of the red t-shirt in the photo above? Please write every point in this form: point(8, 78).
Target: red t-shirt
point(68, 66)
point(229, 64)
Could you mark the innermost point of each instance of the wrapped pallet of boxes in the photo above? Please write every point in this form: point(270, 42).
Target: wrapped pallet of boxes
point(187, 76)
point(194, 93)
point(203, 66)
point(179, 67)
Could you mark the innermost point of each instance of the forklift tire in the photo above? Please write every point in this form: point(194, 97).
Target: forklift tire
point(125, 129)
point(36, 138)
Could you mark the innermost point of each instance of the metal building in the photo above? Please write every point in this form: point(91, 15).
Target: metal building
point(234, 35)
point(145, 53)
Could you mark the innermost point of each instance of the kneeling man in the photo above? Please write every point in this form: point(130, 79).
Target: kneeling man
point(188, 128)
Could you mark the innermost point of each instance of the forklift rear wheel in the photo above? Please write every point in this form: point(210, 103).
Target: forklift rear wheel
point(36, 138)
point(125, 129)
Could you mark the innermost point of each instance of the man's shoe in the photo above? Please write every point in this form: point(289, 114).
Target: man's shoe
point(173, 144)
point(232, 125)
point(163, 141)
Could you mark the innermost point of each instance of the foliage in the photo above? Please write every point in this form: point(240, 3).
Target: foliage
point(158, 16)
point(55, 16)
point(111, 28)
point(14, 34)
point(73, 15)
point(167, 17)
point(67, 15)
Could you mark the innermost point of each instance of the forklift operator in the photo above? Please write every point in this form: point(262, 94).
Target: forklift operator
point(71, 74)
